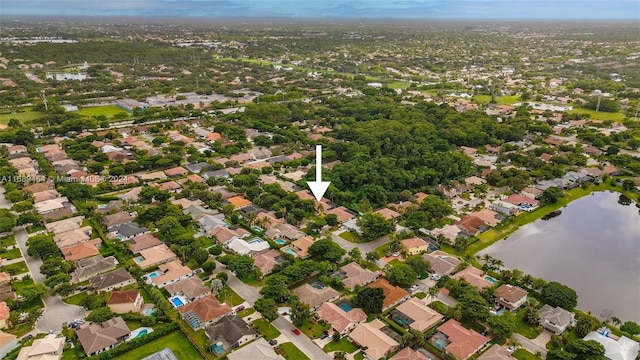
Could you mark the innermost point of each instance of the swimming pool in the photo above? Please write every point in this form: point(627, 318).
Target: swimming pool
point(255, 241)
point(178, 300)
point(138, 259)
point(291, 251)
point(256, 229)
point(440, 344)
point(280, 241)
point(346, 307)
point(149, 311)
point(153, 275)
point(219, 350)
point(142, 333)
point(491, 280)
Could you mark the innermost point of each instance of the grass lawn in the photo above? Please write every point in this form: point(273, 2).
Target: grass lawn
point(180, 345)
point(108, 111)
point(525, 329)
point(439, 307)
point(246, 312)
point(19, 285)
point(15, 269)
point(522, 354)
point(252, 280)
point(313, 331)
point(11, 254)
point(600, 115)
point(292, 352)
point(502, 100)
point(351, 237)
point(265, 328)
point(72, 354)
point(76, 299)
point(359, 356)
point(420, 295)
point(27, 115)
point(230, 297)
point(342, 345)
point(132, 325)
point(8, 241)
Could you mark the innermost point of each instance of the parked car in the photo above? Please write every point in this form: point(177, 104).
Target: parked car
point(414, 287)
point(296, 331)
point(324, 336)
point(396, 254)
point(240, 308)
point(273, 342)
point(511, 349)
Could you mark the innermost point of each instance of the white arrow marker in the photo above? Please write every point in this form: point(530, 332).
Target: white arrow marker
point(318, 187)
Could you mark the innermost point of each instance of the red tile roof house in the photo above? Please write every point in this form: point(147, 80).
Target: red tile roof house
point(203, 312)
point(176, 172)
point(474, 276)
point(460, 342)
point(393, 295)
point(341, 321)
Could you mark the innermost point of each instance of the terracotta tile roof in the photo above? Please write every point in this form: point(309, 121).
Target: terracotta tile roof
point(266, 261)
point(144, 241)
point(338, 318)
point(474, 277)
point(207, 309)
point(388, 213)
point(423, 316)
point(239, 202)
point(4, 310)
point(464, 342)
point(409, 354)
point(82, 250)
point(371, 336)
point(123, 297)
point(392, 294)
point(414, 242)
point(353, 274)
point(176, 171)
point(313, 296)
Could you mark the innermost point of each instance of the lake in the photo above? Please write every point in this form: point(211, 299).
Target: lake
point(592, 247)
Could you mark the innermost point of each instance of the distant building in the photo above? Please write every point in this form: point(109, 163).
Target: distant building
point(130, 104)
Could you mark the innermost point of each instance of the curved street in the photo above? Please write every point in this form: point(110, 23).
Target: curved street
point(57, 312)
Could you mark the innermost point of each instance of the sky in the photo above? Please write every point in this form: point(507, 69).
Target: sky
point(365, 9)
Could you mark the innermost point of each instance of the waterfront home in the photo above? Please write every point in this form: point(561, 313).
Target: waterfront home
point(556, 320)
point(510, 296)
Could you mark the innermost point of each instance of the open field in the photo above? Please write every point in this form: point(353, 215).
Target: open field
point(25, 116)
point(107, 110)
point(599, 115)
point(502, 100)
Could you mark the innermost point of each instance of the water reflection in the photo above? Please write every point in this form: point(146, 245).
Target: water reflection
point(593, 247)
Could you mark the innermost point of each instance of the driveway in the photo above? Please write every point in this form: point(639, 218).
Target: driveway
point(249, 293)
point(33, 262)
point(56, 312)
point(4, 203)
point(530, 345)
point(364, 247)
point(301, 341)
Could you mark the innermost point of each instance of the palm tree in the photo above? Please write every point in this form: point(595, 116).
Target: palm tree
point(433, 292)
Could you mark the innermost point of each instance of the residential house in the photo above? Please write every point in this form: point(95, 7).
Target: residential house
point(4, 314)
point(415, 314)
point(415, 245)
point(375, 342)
point(82, 250)
point(209, 221)
point(409, 354)
point(243, 247)
point(511, 297)
point(111, 205)
point(299, 247)
point(315, 295)
point(45, 195)
point(177, 171)
point(197, 211)
point(238, 202)
point(204, 312)
point(61, 226)
point(496, 352)
point(231, 331)
point(224, 234)
point(284, 231)
point(393, 295)
point(58, 214)
point(90, 267)
point(198, 167)
point(475, 181)
point(341, 321)
point(170, 273)
point(474, 277)
point(556, 320)
point(488, 217)
point(164, 354)
point(388, 213)
point(39, 186)
point(48, 206)
point(48, 348)
point(120, 218)
point(451, 232)
point(72, 237)
point(127, 231)
point(459, 341)
point(156, 255)
point(441, 262)
point(259, 349)
point(471, 225)
point(193, 288)
point(8, 342)
point(522, 201)
point(353, 275)
point(342, 213)
point(122, 302)
point(621, 349)
point(111, 280)
point(267, 261)
point(144, 241)
point(96, 338)
point(504, 207)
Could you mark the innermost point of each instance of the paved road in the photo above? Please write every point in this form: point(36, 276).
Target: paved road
point(301, 341)
point(364, 247)
point(4, 203)
point(32, 262)
point(531, 346)
point(56, 312)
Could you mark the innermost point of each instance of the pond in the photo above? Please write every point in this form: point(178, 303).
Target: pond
point(593, 246)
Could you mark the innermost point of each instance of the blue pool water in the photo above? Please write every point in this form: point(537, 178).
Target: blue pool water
point(491, 280)
point(440, 344)
point(346, 307)
point(291, 251)
point(139, 259)
point(148, 312)
point(153, 275)
point(142, 333)
point(219, 350)
point(176, 301)
point(280, 241)
point(255, 241)
point(256, 229)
